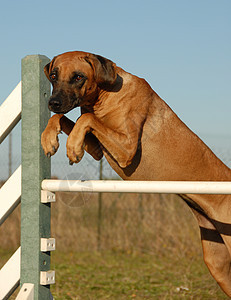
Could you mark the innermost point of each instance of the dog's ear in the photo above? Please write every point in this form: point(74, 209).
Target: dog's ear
point(104, 70)
point(47, 69)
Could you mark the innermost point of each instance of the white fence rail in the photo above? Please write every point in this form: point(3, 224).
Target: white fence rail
point(10, 112)
point(10, 194)
point(10, 275)
point(119, 186)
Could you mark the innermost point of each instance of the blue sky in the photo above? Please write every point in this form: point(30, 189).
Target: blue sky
point(181, 47)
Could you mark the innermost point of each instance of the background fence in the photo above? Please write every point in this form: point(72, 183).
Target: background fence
point(124, 222)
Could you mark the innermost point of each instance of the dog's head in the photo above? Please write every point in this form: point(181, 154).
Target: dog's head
point(76, 78)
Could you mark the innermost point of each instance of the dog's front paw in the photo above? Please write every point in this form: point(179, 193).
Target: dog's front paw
point(50, 142)
point(75, 151)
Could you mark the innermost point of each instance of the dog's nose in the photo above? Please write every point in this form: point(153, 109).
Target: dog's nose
point(55, 102)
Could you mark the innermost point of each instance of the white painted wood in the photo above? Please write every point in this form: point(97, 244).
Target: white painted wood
point(10, 194)
point(10, 275)
point(26, 292)
point(10, 112)
point(119, 186)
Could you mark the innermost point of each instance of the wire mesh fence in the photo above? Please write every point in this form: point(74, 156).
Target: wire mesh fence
point(91, 221)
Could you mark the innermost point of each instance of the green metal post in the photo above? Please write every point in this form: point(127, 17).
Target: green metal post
point(35, 216)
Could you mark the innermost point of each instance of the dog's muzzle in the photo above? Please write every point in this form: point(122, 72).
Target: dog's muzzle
point(55, 104)
point(59, 105)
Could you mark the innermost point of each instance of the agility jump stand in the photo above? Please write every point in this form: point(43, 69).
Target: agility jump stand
point(35, 206)
point(34, 274)
point(36, 243)
point(35, 226)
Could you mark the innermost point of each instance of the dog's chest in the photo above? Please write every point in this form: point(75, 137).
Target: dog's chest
point(111, 115)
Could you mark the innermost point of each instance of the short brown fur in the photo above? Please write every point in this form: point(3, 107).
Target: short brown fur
point(142, 139)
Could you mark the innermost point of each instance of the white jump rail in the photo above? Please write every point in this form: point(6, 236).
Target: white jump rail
point(11, 271)
point(119, 186)
point(10, 112)
point(10, 194)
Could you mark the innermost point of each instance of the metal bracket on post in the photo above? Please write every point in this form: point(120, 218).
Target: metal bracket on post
point(47, 244)
point(26, 292)
point(47, 277)
point(47, 197)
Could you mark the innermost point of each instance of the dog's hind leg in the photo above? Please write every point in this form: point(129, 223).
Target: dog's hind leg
point(215, 252)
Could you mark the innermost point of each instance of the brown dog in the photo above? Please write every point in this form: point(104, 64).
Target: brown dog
point(142, 139)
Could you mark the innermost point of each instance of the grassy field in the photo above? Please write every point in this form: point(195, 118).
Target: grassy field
point(139, 247)
point(117, 275)
point(131, 276)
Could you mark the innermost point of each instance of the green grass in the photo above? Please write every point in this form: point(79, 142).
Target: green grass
point(116, 275)
point(113, 275)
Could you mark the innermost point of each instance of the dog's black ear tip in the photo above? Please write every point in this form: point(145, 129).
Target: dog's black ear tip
point(104, 70)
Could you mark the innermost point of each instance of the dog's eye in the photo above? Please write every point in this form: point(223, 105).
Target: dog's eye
point(78, 77)
point(53, 77)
